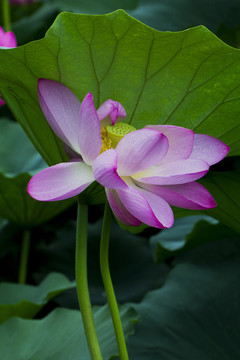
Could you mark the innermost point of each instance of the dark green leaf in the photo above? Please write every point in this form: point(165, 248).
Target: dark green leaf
point(19, 160)
point(187, 233)
point(61, 336)
point(195, 315)
point(174, 15)
point(27, 300)
point(127, 255)
point(37, 22)
point(94, 6)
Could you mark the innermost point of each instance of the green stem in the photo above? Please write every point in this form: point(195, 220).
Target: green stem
point(24, 257)
point(104, 264)
point(6, 15)
point(82, 282)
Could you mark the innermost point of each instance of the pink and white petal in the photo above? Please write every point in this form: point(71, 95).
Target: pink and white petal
point(89, 138)
point(209, 149)
point(179, 172)
point(188, 196)
point(140, 150)
point(119, 209)
point(60, 181)
point(9, 40)
point(112, 111)
point(160, 208)
point(146, 207)
point(105, 170)
point(180, 141)
point(61, 109)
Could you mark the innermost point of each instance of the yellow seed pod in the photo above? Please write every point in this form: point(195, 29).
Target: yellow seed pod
point(117, 131)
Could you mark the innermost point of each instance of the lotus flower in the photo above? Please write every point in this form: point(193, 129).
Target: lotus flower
point(143, 171)
point(7, 40)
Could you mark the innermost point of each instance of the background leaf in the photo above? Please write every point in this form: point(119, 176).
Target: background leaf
point(195, 315)
point(27, 300)
point(46, 338)
point(19, 160)
point(127, 255)
point(94, 6)
point(186, 234)
point(174, 15)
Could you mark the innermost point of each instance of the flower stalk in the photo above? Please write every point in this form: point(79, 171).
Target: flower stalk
point(104, 264)
point(6, 15)
point(82, 282)
point(24, 257)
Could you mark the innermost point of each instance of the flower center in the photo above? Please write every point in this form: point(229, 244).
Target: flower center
point(112, 134)
point(118, 131)
point(106, 142)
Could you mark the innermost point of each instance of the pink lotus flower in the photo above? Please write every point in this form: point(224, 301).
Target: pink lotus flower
point(7, 40)
point(147, 171)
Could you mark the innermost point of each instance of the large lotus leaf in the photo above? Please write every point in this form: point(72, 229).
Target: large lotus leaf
point(18, 161)
point(61, 336)
point(188, 78)
point(27, 300)
point(195, 315)
point(187, 233)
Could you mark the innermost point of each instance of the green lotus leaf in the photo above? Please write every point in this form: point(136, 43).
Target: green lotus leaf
point(60, 335)
point(188, 233)
point(195, 314)
point(27, 300)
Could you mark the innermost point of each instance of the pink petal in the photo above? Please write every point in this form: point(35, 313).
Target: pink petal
point(9, 40)
point(119, 209)
point(90, 142)
point(105, 170)
point(188, 196)
point(112, 110)
point(179, 172)
point(209, 149)
point(139, 150)
point(61, 109)
point(161, 209)
point(180, 141)
point(147, 207)
point(60, 181)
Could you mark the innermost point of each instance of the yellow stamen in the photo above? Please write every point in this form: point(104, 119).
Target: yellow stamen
point(106, 142)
